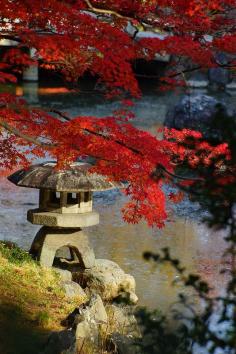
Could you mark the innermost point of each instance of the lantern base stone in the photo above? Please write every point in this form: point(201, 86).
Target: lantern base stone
point(39, 217)
point(48, 240)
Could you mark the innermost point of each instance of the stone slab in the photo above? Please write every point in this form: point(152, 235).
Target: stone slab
point(35, 216)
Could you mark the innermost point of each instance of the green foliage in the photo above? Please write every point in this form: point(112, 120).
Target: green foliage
point(13, 253)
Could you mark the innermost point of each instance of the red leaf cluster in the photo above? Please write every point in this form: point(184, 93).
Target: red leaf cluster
point(77, 36)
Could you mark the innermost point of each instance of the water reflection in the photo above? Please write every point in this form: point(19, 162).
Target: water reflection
point(199, 248)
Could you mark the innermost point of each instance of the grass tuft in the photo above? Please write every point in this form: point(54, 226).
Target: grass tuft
point(13, 253)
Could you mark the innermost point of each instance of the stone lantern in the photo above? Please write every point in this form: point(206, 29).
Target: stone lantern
point(65, 207)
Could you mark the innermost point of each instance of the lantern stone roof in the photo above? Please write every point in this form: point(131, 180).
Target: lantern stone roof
point(76, 178)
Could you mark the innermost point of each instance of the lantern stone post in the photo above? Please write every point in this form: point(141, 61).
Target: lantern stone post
point(65, 207)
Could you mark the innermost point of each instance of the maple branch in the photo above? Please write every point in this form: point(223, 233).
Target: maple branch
point(185, 71)
point(161, 167)
point(30, 139)
point(106, 12)
point(35, 141)
point(144, 25)
point(60, 114)
point(145, 76)
point(63, 115)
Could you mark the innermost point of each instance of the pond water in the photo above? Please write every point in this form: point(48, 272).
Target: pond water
point(199, 248)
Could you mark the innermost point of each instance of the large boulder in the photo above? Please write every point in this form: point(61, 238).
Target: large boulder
point(108, 280)
point(198, 112)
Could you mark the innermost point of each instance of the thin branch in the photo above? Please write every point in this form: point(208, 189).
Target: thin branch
point(135, 151)
point(177, 176)
point(60, 114)
point(141, 23)
point(106, 12)
point(30, 139)
point(86, 130)
point(171, 75)
point(185, 71)
point(35, 141)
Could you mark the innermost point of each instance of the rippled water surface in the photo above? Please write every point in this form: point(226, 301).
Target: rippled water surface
point(199, 248)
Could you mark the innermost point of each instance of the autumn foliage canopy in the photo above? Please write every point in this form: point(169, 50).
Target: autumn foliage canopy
point(75, 37)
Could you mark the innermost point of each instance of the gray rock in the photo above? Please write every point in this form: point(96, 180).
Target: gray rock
point(65, 275)
point(60, 342)
point(108, 280)
point(73, 289)
point(94, 313)
point(88, 322)
point(83, 335)
point(197, 112)
point(122, 320)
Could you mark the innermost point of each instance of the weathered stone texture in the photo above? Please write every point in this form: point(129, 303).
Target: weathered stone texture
point(39, 217)
point(110, 281)
point(65, 275)
point(73, 289)
point(49, 240)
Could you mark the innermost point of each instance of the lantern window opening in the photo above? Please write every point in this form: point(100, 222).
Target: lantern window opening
point(73, 198)
point(86, 197)
point(54, 198)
